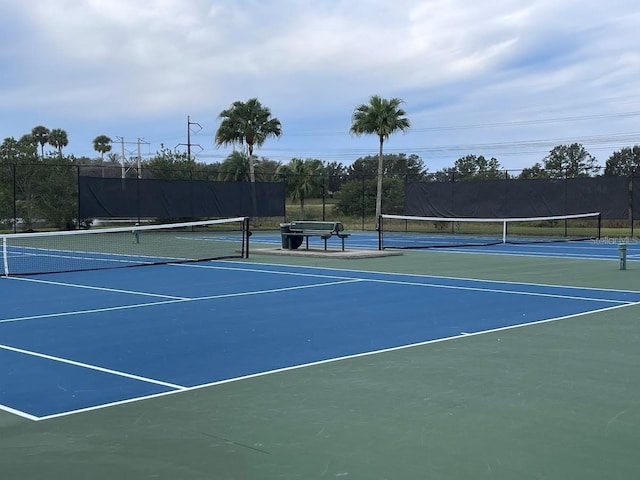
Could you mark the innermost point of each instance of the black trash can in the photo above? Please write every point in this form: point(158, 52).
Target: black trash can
point(286, 240)
point(295, 241)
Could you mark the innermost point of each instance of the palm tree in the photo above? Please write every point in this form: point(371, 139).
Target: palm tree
point(102, 145)
point(58, 139)
point(247, 124)
point(381, 117)
point(235, 168)
point(41, 135)
point(303, 178)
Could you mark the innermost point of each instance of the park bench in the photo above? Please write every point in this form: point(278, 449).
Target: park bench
point(304, 229)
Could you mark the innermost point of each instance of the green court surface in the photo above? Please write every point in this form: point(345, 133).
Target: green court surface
point(557, 400)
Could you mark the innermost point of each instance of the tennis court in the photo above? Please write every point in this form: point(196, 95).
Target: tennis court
point(597, 249)
point(433, 364)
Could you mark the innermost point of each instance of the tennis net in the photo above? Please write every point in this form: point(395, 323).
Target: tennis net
point(54, 252)
point(403, 231)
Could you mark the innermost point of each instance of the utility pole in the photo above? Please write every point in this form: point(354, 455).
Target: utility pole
point(139, 167)
point(189, 144)
point(128, 165)
point(122, 159)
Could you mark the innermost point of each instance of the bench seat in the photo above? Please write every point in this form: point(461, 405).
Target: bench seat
point(324, 230)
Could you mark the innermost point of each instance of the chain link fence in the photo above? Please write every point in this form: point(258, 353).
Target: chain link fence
point(46, 195)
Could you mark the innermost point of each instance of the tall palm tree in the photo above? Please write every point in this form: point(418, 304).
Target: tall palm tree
point(247, 124)
point(41, 135)
point(102, 145)
point(58, 139)
point(303, 179)
point(380, 117)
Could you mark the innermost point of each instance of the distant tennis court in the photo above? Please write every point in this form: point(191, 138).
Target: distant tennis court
point(434, 364)
point(605, 248)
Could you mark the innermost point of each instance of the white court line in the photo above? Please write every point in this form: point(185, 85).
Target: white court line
point(342, 281)
point(167, 302)
point(415, 275)
point(275, 290)
point(102, 289)
point(421, 284)
point(92, 367)
point(123, 374)
point(19, 413)
point(87, 311)
point(258, 270)
point(480, 250)
point(507, 292)
point(563, 256)
point(338, 359)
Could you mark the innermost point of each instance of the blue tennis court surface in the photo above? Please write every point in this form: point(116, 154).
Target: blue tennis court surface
point(71, 342)
point(604, 249)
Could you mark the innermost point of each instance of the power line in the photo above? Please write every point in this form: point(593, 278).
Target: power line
point(516, 147)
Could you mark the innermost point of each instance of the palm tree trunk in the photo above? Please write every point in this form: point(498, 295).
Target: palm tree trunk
point(379, 187)
point(252, 169)
point(252, 178)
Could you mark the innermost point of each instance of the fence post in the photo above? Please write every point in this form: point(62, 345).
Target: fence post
point(324, 205)
point(631, 212)
point(363, 206)
point(453, 198)
point(138, 198)
point(284, 199)
point(78, 194)
point(15, 207)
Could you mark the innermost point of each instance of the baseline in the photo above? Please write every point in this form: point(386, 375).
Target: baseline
point(461, 336)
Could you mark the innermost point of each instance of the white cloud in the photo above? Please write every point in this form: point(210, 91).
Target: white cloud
point(147, 48)
point(455, 62)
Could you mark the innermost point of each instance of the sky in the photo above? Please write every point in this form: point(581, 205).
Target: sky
point(500, 78)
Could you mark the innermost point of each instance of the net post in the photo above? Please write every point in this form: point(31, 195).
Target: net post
point(380, 232)
point(245, 237)
point(599, 225)
point(504, 231)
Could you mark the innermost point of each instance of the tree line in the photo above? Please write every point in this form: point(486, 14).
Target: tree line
point(39, 180)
